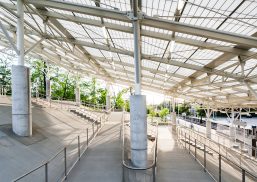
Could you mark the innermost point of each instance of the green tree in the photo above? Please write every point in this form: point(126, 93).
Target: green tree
point(184, 108)
point(200, 113)
point(127, 106)
point(5, 75)
point(119, 101)
point(101, 96)
point(151, 111)
point(38, 76)
point(163, 113)
point(63, 86)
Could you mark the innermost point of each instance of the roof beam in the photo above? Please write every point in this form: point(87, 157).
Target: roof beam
point(153, 58)
point(147, 33)
point(144, 68)
point(238, 39)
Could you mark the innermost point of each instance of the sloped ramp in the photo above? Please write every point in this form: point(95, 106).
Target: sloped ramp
point(102, 162)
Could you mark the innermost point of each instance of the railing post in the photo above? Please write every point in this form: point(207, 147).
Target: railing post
point(243, 175)
point(154, 175)
point(79, 147)
point(87, 137)
point(219, 168)
point(46, 172)
point(185, 139)
point(195, 150)
point(93, 129)
point(204, 157)
point(65, 162)
point(189, 144)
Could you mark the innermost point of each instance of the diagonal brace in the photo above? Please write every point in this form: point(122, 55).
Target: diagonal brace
point(9, 38)
point(32, 47)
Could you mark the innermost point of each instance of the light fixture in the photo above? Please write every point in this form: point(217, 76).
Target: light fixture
point(180, 5)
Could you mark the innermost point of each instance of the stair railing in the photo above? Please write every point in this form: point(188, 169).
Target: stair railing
point(202, 152)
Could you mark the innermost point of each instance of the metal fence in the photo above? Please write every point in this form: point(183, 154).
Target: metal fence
point(217, 160)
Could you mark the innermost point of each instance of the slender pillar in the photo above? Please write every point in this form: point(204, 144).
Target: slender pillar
point(173, 114)
point(138, 119)
point(21, 101)
point(77, 92)
point(37, 90)
point(108, 97)
point(48, 84)
point(232, 126)
point(208, 122)
point(137, 57)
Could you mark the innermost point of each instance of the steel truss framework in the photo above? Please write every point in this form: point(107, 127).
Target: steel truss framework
point(205, 51)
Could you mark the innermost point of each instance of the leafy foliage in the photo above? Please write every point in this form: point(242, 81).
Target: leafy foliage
point(151, 111)
point(200, 113)
point(5, 75)
point(163, 113)
point(119, 101)
point(184, 108)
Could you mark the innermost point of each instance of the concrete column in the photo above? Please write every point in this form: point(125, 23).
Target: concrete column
point(48, 89)
point(77, 95)
point(173, 113)
point(108, 98)
point(48, 84)
point(208, 122)
point(21, 103)
point(138, 130)
point(138, 119)
point(37, 91)
point(232, 126)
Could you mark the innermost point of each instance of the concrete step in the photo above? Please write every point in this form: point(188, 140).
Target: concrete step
point(84, 116)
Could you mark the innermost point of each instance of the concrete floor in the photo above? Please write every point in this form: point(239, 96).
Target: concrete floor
point(174, 163)
point(102, 162)
point(55, 126)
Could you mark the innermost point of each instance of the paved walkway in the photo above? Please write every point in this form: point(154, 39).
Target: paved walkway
point(174, 163)
point(102, 162)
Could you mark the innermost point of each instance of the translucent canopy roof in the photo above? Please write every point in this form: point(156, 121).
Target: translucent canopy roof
point(201, 50)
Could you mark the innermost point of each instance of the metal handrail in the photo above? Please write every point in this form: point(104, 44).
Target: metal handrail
point(152, 165)
point(73, 100)
point(66, 173)
point(60, 100)
point(219, 136)
point(217, 143)
point(220, 156)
